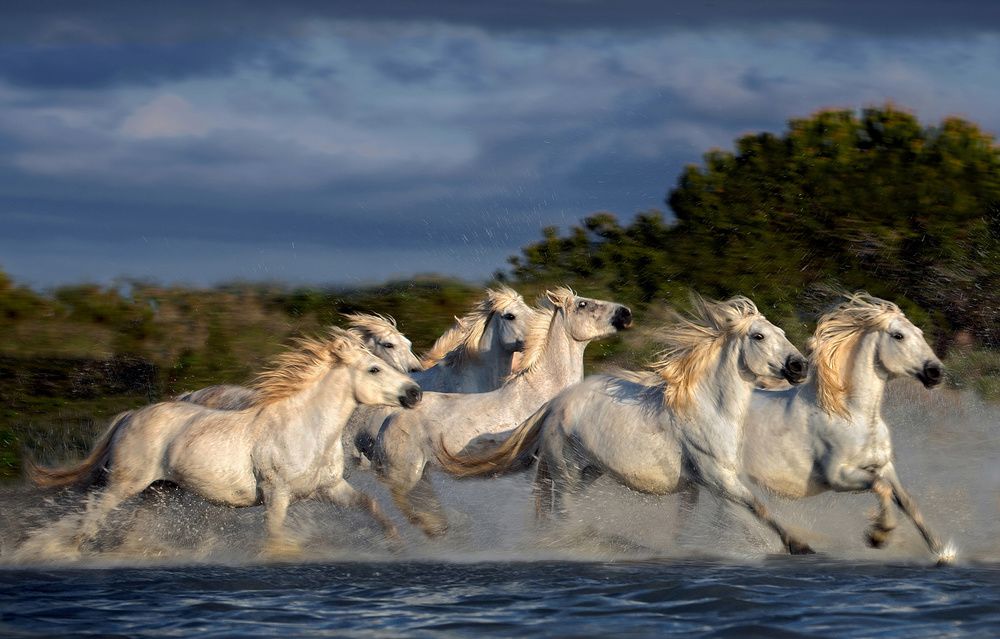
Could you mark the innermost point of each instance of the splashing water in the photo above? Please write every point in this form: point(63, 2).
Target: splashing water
point(946, 455)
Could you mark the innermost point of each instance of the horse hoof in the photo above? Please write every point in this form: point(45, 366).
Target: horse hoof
point(876, 537)
point(947, 555)
point(800, 548)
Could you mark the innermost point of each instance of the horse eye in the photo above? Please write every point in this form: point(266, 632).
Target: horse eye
point(582, 305)
point(387, 345)
point(374, 370)
point(510, 317)
point(758, 336)
point(897, 336)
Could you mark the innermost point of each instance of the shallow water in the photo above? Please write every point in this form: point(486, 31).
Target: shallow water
point(782, 597)
point(625, 564)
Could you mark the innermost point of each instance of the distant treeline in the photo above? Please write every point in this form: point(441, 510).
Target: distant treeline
point(839, 202)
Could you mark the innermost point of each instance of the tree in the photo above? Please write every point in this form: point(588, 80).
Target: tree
point(875, 202)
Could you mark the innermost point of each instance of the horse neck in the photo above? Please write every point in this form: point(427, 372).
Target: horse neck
point(493, 363)
point(722, 392)
point(867, 381)
point(324, 405)
point(560, 362)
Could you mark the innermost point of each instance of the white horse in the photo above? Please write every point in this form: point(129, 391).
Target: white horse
point(377, 332)
point(282, 449)
point(481, 346)
point(407, 444)
point(829, 434)
point(480, 350)
point(663, 436)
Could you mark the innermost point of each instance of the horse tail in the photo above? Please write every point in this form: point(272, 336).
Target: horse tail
point(513, 454)
point(86, 472)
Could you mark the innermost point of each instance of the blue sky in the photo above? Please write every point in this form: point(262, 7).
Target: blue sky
point(346, 143)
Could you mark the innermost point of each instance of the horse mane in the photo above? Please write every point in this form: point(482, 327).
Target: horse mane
point(832, 346)
point(372, 324)
point(474, 324)
point(295, 369)
point(693, 343)
point(538, 330)
point(444, 344)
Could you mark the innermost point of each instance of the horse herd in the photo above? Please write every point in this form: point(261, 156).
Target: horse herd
point(504, 391)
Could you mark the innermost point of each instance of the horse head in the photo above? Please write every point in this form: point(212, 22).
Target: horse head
point(378, 384)
point(902, 351)
point(510, 320)
point(589, 319)
point(767, 354)
point(384, 340)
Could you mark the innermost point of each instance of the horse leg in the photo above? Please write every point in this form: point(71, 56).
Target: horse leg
point(884, 522)
point(276, 504)
point(543, 491)
point(110, 498)
point(728, 485)
point(421, 506)
point(908, 506)
point(687, 503)
point(344, 495)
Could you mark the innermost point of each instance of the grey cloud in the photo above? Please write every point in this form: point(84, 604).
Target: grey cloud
point(69, 20)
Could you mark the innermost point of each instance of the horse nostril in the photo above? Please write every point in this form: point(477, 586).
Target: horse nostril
point(412, 397)
point(795, 369)
point(932, 372)
point(622, 318)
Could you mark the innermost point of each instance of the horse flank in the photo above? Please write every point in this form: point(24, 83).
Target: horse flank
point(692, 344)
point(515, 453)
point(833, 344)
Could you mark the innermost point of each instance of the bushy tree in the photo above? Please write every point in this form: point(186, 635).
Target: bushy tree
point(839, 201)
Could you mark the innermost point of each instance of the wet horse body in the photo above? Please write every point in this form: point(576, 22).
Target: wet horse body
point(829, 433)
point(282, 449)
point(408, 445)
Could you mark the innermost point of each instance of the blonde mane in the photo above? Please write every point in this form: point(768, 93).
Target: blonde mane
point(832, 346)
point(444, 344)
point(467, 344)
point(538, 330)
point(692, 344)
point(378, 326)
point(296, 369)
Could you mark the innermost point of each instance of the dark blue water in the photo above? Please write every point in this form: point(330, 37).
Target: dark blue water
point(775, 597)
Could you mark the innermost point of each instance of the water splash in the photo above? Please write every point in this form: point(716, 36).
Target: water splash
point(947, 454)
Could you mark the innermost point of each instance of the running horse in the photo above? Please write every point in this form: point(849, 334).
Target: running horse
point(829, 434)
point(283, 448)
point(407, 446)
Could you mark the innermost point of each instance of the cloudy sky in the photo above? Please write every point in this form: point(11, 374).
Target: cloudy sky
point(352, 142)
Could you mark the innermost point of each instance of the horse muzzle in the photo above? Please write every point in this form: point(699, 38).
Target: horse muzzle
point(932, 375)
point(622, 318)
point(796, 369)
point(411, 396)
